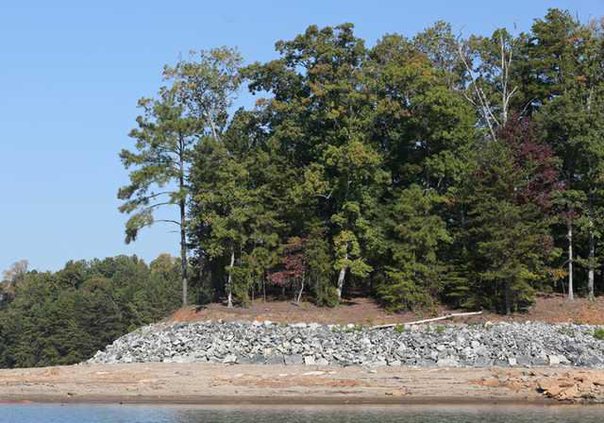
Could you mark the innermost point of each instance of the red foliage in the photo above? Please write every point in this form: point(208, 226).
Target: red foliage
point(293, 263)
point(534, 159)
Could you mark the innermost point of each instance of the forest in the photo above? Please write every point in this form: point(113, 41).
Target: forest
point(434, 169)
point(64, 317)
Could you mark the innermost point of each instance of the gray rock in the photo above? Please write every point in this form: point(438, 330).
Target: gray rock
point(321, 362)
point(293, 360)
point(275, 359)
point(510, 344)
point(230, 359)
point(523, 360)
point(447, 362)
point(309, 360)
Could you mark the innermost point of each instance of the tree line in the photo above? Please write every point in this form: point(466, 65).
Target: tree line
point(64, 317)
point(419, 170)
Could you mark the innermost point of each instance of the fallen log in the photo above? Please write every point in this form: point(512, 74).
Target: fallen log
point(434, 319)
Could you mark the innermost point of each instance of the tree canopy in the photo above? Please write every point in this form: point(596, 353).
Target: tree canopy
point(420, 170)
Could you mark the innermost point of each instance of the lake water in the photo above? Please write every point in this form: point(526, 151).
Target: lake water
point(82, 413)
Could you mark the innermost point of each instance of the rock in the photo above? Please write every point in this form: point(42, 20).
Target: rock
point(483, 362)
point(230, 359)
point(298, 325)
point(309, 360)
point(447, 362)
point(275, 360)
point(293, 360)
point(374, 364)
point(523, 360)
point(322, 362)
point(540, 361)
point(512, 344)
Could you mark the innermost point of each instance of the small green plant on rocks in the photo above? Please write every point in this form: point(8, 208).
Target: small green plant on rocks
point(599, 334)
point(400, 328)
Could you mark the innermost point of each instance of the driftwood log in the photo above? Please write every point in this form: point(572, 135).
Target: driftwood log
point(434, 319)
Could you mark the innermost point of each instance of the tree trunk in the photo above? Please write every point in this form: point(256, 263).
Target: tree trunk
point(182, 204)
point(341, 278)
point(230, 280)
point(591, 265)
point(301, 290)
point(183, 252)
point(508, 297)
point(571, 294)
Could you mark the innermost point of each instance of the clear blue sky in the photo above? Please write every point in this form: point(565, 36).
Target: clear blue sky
point(70, 75)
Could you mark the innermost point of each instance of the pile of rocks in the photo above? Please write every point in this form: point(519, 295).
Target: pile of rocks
point(500, 344)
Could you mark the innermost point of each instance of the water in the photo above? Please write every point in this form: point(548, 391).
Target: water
point(85, 413)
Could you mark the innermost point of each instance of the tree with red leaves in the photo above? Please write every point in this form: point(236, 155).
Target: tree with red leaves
point(510, 201)
point(293, 266)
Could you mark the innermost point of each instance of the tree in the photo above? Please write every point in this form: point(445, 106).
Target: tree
point(15, 273)
point(412, 270)
point(238, 208)
point(64, 317)
point(220, 206)
point(193, 106)
point(10, 278)
point(568, 58)
point(510, 203)
point(317, 114)
point(293, 267)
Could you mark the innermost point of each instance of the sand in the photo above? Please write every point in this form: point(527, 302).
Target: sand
point(199, 383)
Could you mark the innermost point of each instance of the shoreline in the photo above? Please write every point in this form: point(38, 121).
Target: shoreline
point(285, 401)
point(265, 385)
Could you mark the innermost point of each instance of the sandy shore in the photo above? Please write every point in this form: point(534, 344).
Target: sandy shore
point(254, 384)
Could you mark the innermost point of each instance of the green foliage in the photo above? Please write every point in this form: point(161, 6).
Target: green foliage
point(599, 334)
point(415, 173)
point(320, 270)
point(439, 329)
point(193, 106)
point(508, 233)
point(414, 234)
point(400, 329)
point(417, 170)
point(65, 317)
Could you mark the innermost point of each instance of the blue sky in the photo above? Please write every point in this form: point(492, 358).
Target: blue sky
point(71, 73)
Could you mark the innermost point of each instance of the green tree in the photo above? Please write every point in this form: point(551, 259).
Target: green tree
point(318, 114)
point(194, 104)
point(510, 200)
point(568, 60)
point(66, 316)
point(415, 233)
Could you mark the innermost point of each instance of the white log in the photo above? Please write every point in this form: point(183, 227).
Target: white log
point(435, 319)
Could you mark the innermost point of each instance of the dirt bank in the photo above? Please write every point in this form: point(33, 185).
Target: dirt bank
point(249, 384)
point(365, 311)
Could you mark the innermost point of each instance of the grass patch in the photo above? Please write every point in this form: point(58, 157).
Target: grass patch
point(400, 328)
point(599, 334)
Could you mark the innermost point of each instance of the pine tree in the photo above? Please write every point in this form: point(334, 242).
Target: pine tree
point(195, 103)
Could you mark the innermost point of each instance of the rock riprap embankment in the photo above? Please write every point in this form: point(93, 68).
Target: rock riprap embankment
point(499, 344)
